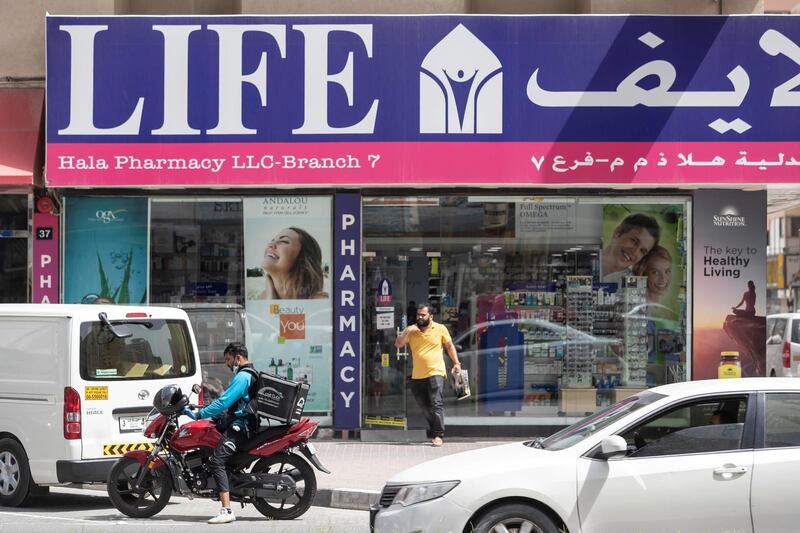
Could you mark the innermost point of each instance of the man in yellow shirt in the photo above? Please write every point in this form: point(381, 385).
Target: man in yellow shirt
point(426, 339)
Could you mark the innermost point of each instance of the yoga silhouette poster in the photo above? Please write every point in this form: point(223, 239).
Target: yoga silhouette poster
point(287, 255)
point(730, 273)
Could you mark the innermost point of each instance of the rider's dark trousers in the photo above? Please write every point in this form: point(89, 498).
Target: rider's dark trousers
point(228, 446)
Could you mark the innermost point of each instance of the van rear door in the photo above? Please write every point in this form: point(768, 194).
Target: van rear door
point(118, 378)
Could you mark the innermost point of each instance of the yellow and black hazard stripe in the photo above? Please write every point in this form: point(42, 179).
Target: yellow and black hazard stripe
point(120, 449)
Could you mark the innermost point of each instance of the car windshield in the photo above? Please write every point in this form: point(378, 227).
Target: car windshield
point(581, 429)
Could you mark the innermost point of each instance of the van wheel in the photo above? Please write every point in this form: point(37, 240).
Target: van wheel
point(515, 517)
point(15, 474)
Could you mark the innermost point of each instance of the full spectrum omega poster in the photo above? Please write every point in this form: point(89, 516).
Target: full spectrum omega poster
point(287, 252)
point(730, 267)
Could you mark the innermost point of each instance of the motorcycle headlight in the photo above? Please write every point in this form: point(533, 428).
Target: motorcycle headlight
point(423, 492)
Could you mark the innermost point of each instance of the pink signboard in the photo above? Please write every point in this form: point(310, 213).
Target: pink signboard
point(449, 163)
point(45, 258)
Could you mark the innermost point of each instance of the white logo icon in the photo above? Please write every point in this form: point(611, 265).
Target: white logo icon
point(461, 87)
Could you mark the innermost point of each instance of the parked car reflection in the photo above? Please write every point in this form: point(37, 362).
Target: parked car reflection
point(530, 354)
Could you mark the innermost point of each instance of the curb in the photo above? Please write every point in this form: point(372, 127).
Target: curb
point(353, 499)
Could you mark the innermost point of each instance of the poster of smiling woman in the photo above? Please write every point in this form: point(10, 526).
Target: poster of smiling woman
point(287, 254)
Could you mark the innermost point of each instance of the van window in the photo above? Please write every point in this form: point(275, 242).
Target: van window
point(796, 330)
point(780, 327)
point(158, 349)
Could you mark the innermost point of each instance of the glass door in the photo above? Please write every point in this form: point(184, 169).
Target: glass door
point(386, 367)
point(14, 248)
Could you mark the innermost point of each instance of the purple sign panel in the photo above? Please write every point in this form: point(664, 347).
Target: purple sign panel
point(347, 317)
point(45, 258)
point(199, 101)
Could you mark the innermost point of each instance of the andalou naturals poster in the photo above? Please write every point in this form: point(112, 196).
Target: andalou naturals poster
point(288, 296)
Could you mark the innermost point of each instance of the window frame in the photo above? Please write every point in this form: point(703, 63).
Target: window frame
point(794, 328)
point(761, 424)
point(748, 431)
point(779, 320)
point(191, 362)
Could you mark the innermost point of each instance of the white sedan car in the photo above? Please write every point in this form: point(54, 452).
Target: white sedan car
point(704, 456)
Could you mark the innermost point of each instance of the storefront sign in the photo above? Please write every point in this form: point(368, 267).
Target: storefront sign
point(421, 99)
point(287, 254)
point(347, 317)
point(730, 271)
point(105, 239)
point(45, 259)
point(792, 264)
point(384, 291)
point(384, 321)
point(537, 216)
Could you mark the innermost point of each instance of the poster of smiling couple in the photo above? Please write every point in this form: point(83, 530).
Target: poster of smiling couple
point(649, 241)
point(287, 252)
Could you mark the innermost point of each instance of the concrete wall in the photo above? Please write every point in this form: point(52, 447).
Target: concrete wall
point(22, 21)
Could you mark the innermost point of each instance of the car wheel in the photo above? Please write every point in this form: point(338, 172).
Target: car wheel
point(15, 474)
point(516, 518)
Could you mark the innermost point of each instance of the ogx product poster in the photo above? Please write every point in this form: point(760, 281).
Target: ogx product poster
point(730, 273)
point(287, 252)
point(105, 243)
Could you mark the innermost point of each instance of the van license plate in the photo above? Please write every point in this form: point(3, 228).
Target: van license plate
point(129, 424)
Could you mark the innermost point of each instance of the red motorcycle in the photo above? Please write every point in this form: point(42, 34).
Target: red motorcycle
point(272, 471)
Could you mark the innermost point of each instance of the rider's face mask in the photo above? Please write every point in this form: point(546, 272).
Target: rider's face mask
point(233, 364)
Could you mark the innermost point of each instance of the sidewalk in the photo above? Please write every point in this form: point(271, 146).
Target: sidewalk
point(360, 469)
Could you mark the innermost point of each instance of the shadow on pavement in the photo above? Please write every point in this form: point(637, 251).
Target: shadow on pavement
point(63, 502)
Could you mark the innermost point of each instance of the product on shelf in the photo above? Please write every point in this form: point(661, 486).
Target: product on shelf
point(579, 357)
point(633, 330)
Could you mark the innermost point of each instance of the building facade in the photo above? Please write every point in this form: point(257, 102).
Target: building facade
point(560, 254)
point(581, 213)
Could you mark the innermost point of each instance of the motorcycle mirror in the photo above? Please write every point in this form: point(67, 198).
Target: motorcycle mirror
point(196, 388)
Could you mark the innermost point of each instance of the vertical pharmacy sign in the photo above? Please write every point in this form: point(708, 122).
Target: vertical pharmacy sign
point(347, 323)
point(287, 252)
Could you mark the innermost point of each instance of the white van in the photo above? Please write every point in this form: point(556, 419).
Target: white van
point(783, 345)
point(76, 382)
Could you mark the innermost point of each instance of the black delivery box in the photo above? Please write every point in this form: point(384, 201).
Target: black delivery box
point(280, 399)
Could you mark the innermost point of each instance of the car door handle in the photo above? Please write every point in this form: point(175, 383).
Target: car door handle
point(727, 472)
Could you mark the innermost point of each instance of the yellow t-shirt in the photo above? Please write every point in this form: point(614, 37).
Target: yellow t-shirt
point(426, 351)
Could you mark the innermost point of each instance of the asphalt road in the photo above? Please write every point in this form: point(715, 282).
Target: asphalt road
point(76, 510)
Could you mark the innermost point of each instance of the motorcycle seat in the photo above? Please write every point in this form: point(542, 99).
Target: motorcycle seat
point(265, 435)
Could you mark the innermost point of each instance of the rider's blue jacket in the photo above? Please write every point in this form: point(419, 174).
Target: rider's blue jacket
point(237, 394)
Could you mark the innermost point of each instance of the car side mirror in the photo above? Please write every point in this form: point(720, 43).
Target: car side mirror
point(196, 388)
point(459, 348)
point(612, 446)
point(775, 339)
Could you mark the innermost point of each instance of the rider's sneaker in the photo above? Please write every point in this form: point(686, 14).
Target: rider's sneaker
point(224, 516)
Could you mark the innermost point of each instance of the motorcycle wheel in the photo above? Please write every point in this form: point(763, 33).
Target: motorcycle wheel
point(145, 502)
point(294, 504)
